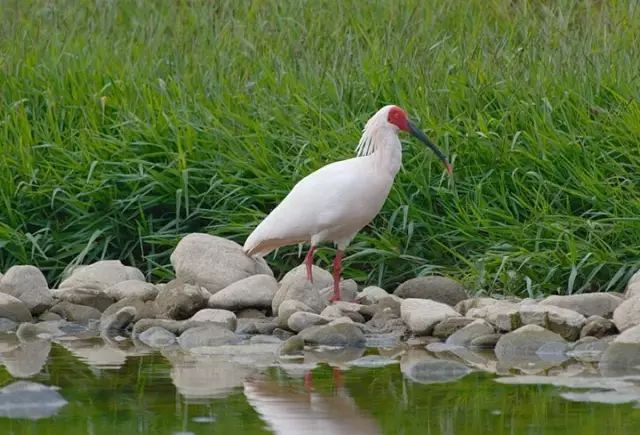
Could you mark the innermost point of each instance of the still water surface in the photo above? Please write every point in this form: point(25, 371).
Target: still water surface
point(118, 388)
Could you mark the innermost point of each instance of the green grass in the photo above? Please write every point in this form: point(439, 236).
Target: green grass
point(126, 124)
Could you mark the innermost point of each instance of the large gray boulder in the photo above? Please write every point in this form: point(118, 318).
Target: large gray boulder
point(436, 288)
point(256, 291)
point(523, 343)
point(565, 322)
point(100, 275)
point(14, 309)
point(180, 301)
point(76, 313)
point(29, 285)
point(627, 314)
point(214, 262)
point(295, 286)
point(421, 315)
point(587, 304)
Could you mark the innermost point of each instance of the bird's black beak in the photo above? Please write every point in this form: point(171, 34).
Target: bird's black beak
point(423, 137)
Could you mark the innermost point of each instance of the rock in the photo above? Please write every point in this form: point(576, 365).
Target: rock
point(262, 339)
point(435, 288)
point(524, 343)
point(371, 295)
point(587, 304)
point(29, 400)
point(207, 335)
point(563, 321)
point(251, 313)
point(256, 326)
point(627, 314)
point(256, 291)
point(100, 275)
point(291, 346)
point(388, 307)
point(505, 316)
point(266, 326)
point(29, 285)
point(132, 288)
point(596, 326)
point(287, 308)
point(282, 334)
point(7, 325)
point(80, 296)
point(465, 335)
point(213, 262)
point(342, 334)
point(176, 327)
point(224, 317)
point(620, 359)
point(180, 301)
point(348, 292)
point(450, 325)
point(488, 341)
point(157, 337)
point(421, 315)
point(48, 315)
point(14, 309)
point(464, 306)
point(342, 308)
point(588, 349)
point(112, 324)
point(76, 313)
point(633, 289)
point(143, 310)
point(631, 335)
point(303, 320)
point(294, 286)
point(39, 331)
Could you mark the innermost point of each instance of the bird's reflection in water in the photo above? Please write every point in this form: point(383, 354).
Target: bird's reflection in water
point(301, 409)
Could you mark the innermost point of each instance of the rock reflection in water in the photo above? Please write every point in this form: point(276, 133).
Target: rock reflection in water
point(27, 359)
point(294, 409)
point(198, 377)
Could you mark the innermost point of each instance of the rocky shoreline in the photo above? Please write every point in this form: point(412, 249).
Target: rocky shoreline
point(222, 301)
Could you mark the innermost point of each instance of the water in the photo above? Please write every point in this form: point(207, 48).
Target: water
point(117, 388)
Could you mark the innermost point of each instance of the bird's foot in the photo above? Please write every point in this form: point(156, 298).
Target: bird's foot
point(335, 297)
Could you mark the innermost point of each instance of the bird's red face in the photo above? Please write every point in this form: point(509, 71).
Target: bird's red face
point(398, 117)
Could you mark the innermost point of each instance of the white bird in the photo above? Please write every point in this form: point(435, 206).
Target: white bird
point(339, 199)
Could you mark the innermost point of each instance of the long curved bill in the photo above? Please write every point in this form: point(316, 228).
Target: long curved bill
point(423, 138)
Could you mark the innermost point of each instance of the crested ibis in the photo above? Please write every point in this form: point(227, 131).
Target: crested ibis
point(339, 199)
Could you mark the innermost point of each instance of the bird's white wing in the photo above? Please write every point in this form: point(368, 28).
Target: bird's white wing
point(340, 197)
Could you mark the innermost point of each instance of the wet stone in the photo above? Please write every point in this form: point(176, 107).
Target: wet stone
point(448, 326)
point(157, 337)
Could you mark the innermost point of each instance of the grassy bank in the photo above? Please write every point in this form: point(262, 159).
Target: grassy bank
point(125, 124)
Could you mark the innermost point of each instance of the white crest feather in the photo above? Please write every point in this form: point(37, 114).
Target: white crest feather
point(367, 144)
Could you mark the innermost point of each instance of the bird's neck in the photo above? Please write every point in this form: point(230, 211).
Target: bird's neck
point(387, 154)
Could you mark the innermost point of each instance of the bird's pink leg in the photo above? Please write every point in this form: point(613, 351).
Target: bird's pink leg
point(308, 261)
point(337, 272)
